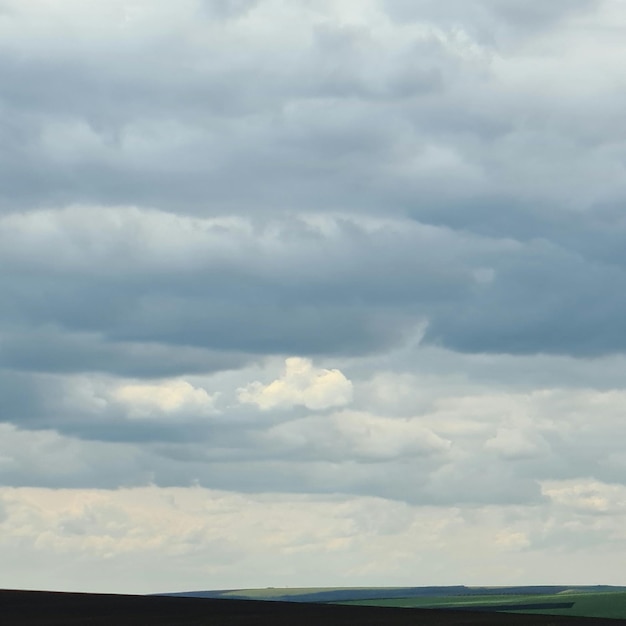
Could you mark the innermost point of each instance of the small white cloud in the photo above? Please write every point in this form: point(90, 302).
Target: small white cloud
point(300, 385)
point(167, 397)
point(586, 496)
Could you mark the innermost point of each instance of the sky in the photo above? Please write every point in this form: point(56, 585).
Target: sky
point(315, 293)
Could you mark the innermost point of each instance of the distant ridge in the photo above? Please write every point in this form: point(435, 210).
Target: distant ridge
point(343, 594)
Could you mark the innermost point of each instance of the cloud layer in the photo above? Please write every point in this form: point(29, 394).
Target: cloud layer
point(354, 265)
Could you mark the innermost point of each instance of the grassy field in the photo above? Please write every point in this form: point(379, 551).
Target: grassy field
point(594, 605)
point(600, 601)
point(584, 603)
point(37, 608)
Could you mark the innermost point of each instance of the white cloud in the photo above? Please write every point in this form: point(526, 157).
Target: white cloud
point(300, 385)
point(167, 397)
point(359, 436)
point(147, 539)
point(587, 495)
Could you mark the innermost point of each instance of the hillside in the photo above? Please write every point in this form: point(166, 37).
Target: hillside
point(30, 608)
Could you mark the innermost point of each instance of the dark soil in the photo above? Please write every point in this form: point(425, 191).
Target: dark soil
point(43, 608)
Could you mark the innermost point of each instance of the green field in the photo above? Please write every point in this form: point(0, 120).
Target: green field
point(598, 601)
point(585, 604)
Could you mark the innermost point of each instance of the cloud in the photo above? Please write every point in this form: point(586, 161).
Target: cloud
point(117, 541)
point(169, 397)
point(345, 284)
point(361, 437)
point(517, 442)
point(300, 385)
point(492, 21)
point(422, 200)
point(459, 439)
point(587, 496)
point(417, 125)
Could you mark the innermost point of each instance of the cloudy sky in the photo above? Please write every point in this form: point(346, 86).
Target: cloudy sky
point(326, 292)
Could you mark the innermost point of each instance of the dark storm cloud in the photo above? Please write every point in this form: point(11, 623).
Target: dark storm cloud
point(141, 294)
point(49, 349)
point(544, 300)
point(280, 288)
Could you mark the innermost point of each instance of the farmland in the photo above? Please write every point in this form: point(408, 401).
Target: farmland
point(598, 601)
point(32, 608)
point(580, 603)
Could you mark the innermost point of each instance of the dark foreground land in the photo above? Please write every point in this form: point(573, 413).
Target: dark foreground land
point(68, 609)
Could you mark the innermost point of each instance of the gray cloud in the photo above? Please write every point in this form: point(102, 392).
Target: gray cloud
point(494, 21)
point(422, 198)
point(112, 291)
point(49, 349)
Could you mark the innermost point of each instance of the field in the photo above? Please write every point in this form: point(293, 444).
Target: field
point(33, 608)
point(599, 601)
point(589, 604)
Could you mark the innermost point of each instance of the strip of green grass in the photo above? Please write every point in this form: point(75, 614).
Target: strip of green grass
point(586, 604)
point(451, 601)
point(611, 604)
